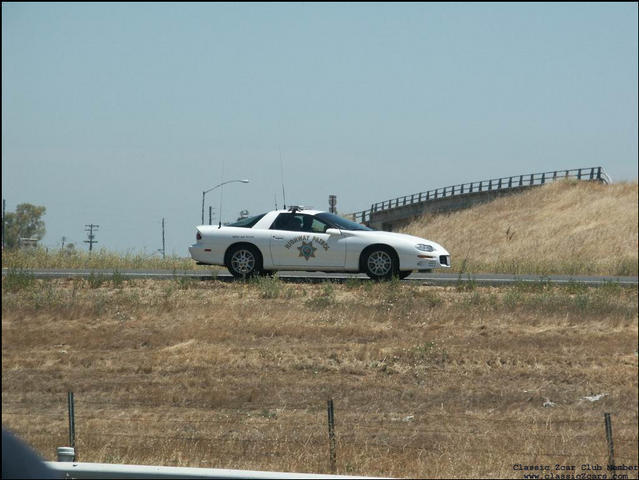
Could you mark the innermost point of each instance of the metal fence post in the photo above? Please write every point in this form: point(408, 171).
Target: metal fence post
point(611, 447)
point(71, 408)
point(331, 434)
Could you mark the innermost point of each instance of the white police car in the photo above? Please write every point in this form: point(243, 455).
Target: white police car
point(300, 239)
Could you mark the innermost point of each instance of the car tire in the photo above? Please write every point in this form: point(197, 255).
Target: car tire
point(380, 263)
point(244, 261)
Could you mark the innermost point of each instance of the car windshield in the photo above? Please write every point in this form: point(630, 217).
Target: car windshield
point(340, 222)
point(247, 222)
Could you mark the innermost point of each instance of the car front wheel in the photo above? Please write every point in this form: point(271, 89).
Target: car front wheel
point(243, 261)
point(380, 264)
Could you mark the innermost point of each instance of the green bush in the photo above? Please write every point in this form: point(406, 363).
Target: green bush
point(269, 287)
point(95, 280)
point(324, 298)
point(17, 279)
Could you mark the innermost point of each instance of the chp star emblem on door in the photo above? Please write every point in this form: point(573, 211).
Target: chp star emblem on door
point(307, 250)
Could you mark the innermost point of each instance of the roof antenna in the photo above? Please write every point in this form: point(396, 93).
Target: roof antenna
point(282, 175)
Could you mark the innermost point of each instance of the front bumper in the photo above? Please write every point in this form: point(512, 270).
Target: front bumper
point(425, 261)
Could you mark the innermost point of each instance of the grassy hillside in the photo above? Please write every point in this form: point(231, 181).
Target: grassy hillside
point(565, 227)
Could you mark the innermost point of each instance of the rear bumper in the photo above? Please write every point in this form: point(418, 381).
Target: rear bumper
point(205, 255)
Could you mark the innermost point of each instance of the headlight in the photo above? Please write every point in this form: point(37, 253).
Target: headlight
point(424, 248)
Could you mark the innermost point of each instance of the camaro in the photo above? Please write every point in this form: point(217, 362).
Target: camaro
point(300, 239)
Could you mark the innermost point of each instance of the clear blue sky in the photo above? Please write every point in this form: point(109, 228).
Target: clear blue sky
point(122, 114)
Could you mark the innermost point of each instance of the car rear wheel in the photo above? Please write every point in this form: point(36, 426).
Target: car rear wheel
point(244, 261)
point(380, 264)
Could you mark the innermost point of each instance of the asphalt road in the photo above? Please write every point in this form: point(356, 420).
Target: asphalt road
point(484, 279)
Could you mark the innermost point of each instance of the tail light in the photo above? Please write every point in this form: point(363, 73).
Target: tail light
point(198, 236)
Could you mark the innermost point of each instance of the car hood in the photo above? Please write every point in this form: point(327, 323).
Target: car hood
point(389, 236)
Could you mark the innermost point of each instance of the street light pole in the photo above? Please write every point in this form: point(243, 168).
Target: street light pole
point(213, 188)
point(203, 194)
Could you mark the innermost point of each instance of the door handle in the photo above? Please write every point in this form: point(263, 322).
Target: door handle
point(278, 238)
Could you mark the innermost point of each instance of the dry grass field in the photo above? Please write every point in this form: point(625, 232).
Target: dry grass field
point(567, 227)
point(101, 259)
point(446, 382)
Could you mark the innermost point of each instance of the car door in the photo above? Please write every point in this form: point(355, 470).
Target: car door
point(299, 241)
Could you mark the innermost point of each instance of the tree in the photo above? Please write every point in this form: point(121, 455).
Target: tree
point(25, 222)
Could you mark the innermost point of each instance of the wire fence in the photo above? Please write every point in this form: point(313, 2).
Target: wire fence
point(546, 435)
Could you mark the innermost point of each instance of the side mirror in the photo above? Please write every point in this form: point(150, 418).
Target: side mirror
point(333, 232)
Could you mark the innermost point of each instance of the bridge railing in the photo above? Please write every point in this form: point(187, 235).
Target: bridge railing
point(504, 183)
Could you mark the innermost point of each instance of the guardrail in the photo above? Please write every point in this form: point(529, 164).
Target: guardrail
point(504, 183)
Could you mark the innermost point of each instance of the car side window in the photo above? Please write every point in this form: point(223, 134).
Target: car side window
point(292, 222)
point(288, 221)
point(313, 224)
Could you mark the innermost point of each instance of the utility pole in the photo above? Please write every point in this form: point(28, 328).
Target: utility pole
point(63, 239)
point(4, 207)
point(210, 215)
point(163, 245)
point(332, 202)
point(91, 240)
